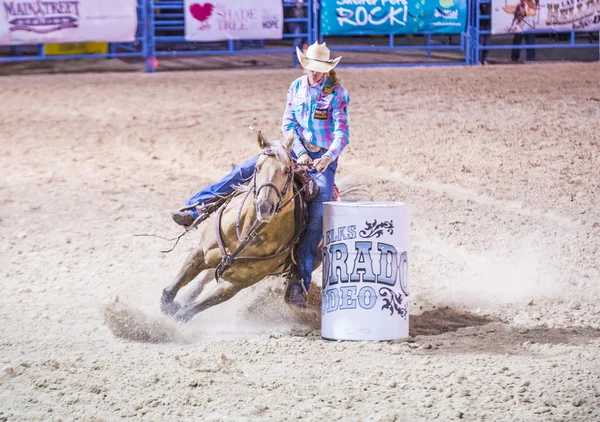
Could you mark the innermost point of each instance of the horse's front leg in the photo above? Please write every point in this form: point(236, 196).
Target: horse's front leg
point(196, 287)
point(219, 292)
point(193, 265)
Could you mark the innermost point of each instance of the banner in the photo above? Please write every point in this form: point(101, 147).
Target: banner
point(549, 15)
point(221, 20)
point(368, 17)
point(71, 49)
point(49, 21)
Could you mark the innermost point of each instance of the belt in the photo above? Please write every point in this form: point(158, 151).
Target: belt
point(312, 147)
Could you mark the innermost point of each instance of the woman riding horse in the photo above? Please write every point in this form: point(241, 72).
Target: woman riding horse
point(316, 116)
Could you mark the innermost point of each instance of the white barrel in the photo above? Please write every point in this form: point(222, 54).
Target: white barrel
point(365, 270)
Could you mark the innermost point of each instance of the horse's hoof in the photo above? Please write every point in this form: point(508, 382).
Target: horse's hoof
point(183, 315)
point(170, 308)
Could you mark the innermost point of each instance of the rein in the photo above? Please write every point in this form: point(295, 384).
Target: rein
point(227, 257)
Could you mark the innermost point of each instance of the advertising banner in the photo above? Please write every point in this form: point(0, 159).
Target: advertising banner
point(76, 48)
point(369, 17)
point(549, 15)
point(221, 20)
point(71, 21)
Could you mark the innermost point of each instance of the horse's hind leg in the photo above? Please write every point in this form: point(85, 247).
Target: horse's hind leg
point(193, 265)
point(219, 292)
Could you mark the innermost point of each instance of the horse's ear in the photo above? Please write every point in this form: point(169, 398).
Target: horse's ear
point(287, 144)
point(262, 142)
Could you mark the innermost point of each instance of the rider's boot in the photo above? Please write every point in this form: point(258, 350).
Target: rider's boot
point(185, 218)
point(295, 292)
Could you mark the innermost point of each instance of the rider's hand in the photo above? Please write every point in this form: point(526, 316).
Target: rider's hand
point(304, 159)
point(320, 164)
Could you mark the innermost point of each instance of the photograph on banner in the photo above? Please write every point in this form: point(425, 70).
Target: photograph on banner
point(222, 20)
point(369, 17)
point(71, 21)
point(547, 15)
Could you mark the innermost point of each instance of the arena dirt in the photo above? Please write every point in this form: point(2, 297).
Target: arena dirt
point(500, 165)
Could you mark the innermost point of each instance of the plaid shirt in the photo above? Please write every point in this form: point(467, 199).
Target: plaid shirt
point(317, 114)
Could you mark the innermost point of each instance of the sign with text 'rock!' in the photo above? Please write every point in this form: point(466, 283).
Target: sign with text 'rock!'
point(365, 270)
point(371, 17)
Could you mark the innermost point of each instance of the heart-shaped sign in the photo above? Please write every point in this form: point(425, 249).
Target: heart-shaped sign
point(201, 12)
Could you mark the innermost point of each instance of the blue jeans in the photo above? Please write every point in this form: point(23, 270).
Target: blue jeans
point(483, 52)
point(238, 175)
point(516, 52)
point(296, 29)
point(314, 230)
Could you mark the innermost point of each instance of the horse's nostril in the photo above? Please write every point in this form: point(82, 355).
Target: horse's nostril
point(265, 208)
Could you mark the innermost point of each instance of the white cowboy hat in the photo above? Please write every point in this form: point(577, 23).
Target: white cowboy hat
point(317, 58)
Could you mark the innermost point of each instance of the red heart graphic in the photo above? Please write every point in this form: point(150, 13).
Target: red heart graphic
point(201, 12)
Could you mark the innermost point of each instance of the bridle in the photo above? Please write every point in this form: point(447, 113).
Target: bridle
point(227, 257)
point(280, 193)
point(266, 185)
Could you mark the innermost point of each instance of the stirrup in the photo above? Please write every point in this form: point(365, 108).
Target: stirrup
point(291, 280)
point(304, 291)
point(197, 221)
point(202, 211)
point(189, 207)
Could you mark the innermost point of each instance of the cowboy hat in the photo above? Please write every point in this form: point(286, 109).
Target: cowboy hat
point(317, 58)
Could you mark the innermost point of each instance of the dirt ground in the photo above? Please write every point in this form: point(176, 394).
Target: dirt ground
point(500, 166)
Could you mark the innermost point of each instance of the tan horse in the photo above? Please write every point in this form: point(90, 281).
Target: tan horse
point(267, 199)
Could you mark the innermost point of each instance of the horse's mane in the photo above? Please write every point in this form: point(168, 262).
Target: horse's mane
point(280, 151)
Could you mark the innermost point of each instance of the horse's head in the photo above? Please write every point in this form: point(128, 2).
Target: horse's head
point(273, 177)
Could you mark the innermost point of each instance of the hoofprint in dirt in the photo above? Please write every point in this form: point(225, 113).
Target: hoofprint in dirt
point(499, 166)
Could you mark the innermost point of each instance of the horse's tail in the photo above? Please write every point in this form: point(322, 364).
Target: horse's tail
point(353, 192)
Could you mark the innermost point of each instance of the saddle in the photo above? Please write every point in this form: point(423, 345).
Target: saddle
point(304, 185)
point(304, 182)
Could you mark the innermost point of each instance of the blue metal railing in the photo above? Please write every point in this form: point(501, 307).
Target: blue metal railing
point(161, 33)
point(432, 43)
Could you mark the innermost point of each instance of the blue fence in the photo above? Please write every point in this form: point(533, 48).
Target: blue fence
point(431, 44)
point(160, 33)
point(137, 49)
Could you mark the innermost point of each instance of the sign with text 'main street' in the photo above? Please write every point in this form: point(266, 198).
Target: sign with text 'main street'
point(67, 21)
